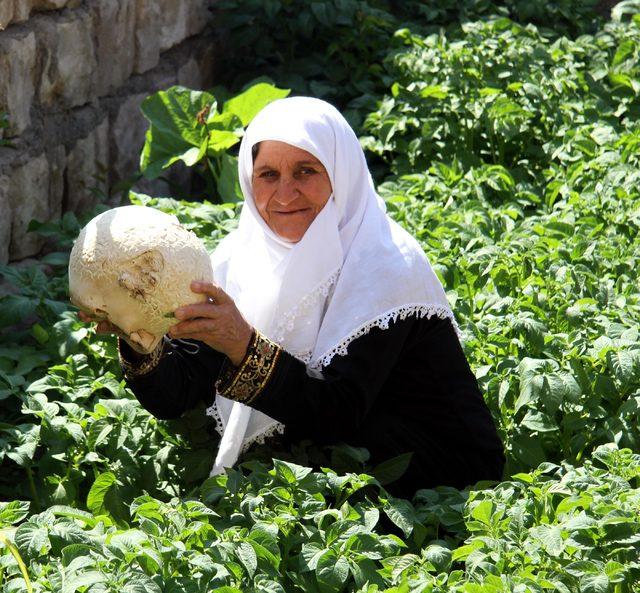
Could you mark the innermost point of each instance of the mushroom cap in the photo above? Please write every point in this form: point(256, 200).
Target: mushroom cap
point(133, 265)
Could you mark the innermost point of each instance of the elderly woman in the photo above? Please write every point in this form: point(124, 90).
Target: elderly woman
point(325, 321)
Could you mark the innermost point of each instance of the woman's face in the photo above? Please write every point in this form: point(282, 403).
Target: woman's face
point(290, 187)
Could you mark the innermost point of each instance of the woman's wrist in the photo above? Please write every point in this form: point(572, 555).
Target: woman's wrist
point(133, 363)
point(239, 353)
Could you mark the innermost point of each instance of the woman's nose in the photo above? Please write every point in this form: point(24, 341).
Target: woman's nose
point(287, 190)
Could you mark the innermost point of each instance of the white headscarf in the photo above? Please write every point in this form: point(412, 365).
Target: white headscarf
point(354, 269)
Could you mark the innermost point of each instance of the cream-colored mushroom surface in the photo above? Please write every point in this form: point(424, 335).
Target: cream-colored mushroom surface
point(133, 265)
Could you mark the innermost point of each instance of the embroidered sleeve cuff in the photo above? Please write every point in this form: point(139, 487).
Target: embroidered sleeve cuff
point(141, 365)
point(245, 382)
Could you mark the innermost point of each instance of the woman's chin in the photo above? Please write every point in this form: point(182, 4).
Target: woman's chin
point(292, 235)
point(291, 232)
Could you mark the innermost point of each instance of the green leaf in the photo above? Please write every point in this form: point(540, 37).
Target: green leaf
point(177, 130)
point(434, 92)
point(13, 512)
point(402, 513)
point(15, 308)
point(550, 536)
point(332, 572)
point(247, 556)
point(247, 104)
point(483, 511)
point(32, 540)
point(99, 490)
point(594, 583)
point(439, 556)
point(390, 470)
point(228, 185)
point(290, 472)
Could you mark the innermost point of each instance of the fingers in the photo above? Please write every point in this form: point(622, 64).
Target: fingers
point(191, 327)
point(196, 310)
point(105, 327)
point(212, 290)
point(102, 325)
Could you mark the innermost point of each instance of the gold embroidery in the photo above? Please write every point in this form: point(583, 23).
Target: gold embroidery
point(246, 382)
point(143, 365)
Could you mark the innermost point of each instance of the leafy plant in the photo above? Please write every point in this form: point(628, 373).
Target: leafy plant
point(511, 152)
point(190, 126)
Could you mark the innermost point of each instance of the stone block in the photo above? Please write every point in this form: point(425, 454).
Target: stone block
point(69, 61)
point(206, 57)
point(28, 200)
point(189, 74)
point(5, 220)
point(114, 22)
point(6, 13)
point(146, 38)
point(86, 171)
point(17, 85)
point(55, 4)
point(174, 22)
point(127, 131)
point(199, 16)
point(57, 162)
point(22, 10)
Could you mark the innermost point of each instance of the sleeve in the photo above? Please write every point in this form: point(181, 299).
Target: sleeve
point(174, 378)
point(328, 406)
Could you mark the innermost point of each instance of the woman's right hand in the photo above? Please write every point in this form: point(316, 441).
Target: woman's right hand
point(103, 326)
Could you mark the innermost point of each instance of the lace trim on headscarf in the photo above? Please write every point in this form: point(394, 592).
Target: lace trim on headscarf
point(214, 413)
point(277, 428)
point(381, 322)
point(288, 320)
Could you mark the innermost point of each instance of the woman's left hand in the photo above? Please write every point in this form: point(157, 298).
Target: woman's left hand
point(218, 323)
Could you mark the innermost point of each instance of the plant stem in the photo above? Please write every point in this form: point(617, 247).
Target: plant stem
point(32, 487)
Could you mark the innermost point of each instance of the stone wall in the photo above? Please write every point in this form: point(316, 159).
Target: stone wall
point(72, 76)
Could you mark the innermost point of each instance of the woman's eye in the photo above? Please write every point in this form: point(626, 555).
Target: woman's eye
point(307, 171)
point(267, 174)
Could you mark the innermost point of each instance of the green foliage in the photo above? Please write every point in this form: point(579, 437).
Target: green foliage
point(211, 222)
point(511, 151)
point(517, 166)
point(287, 528)
point(335, 49)
point(190, 126)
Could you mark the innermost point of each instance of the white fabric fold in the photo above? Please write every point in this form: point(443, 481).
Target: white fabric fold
point(354, 268)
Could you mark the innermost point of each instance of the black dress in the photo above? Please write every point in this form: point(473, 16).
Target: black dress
point(408, 388)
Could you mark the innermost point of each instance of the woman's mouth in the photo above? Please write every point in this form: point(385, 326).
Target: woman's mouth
point(291, 212)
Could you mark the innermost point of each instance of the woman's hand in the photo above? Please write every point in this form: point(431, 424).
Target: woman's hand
point(103, 326)
point(218, 323)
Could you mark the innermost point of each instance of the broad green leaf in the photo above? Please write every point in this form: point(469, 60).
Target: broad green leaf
point(332, 572)
point(402, 513)
point(13, 512)
point(594, 583)
point(248, 103)
point(177, 131)
point(390, 470)
point(550, 536)
point(483, 512)
point(99, 490)
point(32, 540)
point(228, 185)
point(290, 472)
point(247, 556)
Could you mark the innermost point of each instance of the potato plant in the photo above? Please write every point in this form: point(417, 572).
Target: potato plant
point(505, 137)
